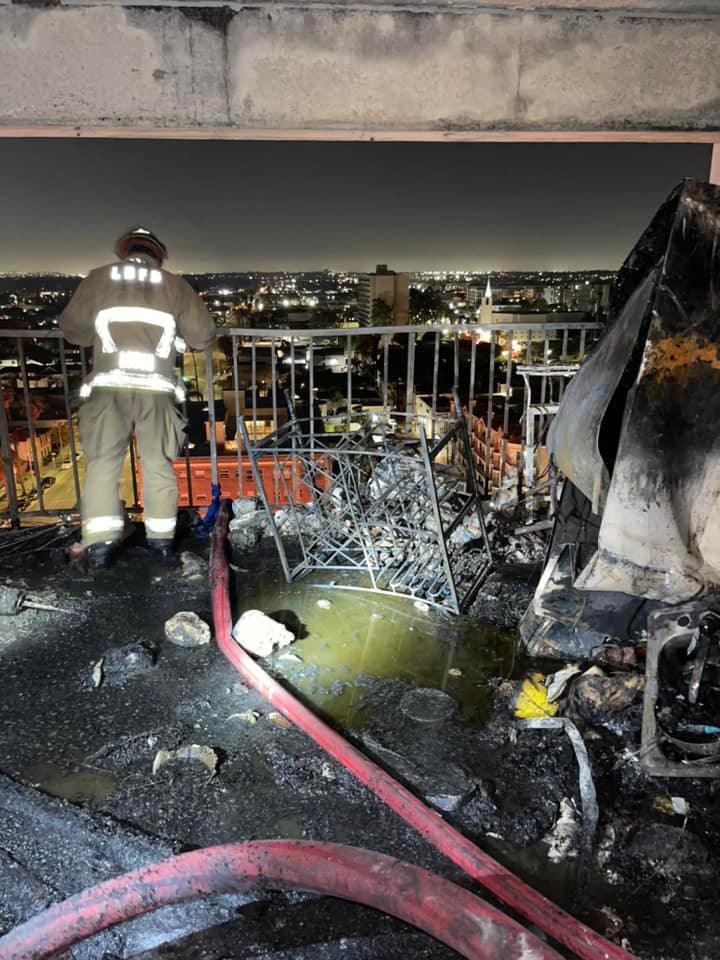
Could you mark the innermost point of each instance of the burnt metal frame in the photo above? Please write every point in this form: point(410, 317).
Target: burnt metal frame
point(544, 408)
point(382, 505)
point(678, 627)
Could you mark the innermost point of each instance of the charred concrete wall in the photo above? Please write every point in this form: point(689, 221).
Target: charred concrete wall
point(535, 65)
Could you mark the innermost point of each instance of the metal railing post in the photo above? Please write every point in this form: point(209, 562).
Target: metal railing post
point(273, 394)
point(186, 451)
point(386, 369)
point(253, 385)
point(456, 360)
point(311, 388)
point(238, 437)
point(436, 367)
point(488, 429)
point(410, 375)
point(30, 424)
point(506, 411)
point(348, 356)
point(292, 369)
point(471, 385)
point(10, 488)
point(273, 388)
point(71, 430)
point(293, 458)
point(209, 380)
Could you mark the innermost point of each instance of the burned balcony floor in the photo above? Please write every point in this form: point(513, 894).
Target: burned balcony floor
point(91, 695)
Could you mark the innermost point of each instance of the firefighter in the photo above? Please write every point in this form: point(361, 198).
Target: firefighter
point(136, 316)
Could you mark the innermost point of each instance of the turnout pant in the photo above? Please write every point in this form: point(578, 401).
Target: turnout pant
point(107, 420)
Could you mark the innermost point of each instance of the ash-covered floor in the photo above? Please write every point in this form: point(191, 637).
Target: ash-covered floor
point(91, 695)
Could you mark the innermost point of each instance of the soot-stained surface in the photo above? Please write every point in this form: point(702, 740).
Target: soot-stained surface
point(95, 746)
point(90, 695)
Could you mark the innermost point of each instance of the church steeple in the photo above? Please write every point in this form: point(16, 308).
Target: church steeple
point(486, 305)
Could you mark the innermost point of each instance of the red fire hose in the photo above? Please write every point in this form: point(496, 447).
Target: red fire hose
point(440, 908)
point(546, 915)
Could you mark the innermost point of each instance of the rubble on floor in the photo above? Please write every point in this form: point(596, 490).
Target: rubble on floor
point(248, 525)
point(194, 751)
point(186, 629)
point(192, 566)
point(504, 596)
point(119, 664)
point(516, 536)
point(261, 635)
point(516, 791)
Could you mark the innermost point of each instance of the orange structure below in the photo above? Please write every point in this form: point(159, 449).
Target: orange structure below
point(194, 480)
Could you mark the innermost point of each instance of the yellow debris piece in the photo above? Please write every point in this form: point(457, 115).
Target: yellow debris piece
point(532, 699)
point(671, 805)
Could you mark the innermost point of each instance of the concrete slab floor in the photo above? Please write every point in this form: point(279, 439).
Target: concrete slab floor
point(95, 746)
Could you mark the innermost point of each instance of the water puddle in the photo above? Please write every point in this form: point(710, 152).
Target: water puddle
point(349, 638)
point(79, 785)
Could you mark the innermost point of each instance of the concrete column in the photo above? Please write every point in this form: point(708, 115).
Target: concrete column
point(715, 164)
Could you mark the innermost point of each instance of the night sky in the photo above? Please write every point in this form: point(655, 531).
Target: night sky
point(305, 206)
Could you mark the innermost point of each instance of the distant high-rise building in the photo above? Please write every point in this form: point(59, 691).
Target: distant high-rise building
point(473, 295)
point(552, 295)
point(601, 296)
point(390, 287)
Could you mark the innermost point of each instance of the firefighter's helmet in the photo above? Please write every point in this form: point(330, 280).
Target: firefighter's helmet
point(142, 240)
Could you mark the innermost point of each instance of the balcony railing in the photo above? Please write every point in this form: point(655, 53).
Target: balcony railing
point(337, 377)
